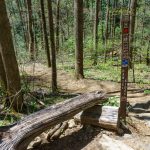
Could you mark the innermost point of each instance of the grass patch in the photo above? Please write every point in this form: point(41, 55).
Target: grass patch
point(147, 92)
point(112, 101)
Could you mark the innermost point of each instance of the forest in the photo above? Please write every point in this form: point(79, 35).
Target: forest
point(74, 72)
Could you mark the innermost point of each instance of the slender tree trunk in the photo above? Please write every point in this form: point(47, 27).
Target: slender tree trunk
point(22, 22)
point(106, 29)
point(30, 30)
point(53, 49)
point(78, 10)
point(9, 60)
point(102, 28)
point(133, 7)
point(45, 33)
point(57, 25)
point(148, 55)
point(3, 80)
point(92, 20)
point(96, 30)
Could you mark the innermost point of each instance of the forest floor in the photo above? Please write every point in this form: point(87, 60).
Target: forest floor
point(90, 138)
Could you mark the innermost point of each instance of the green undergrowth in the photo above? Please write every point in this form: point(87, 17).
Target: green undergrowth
point(32, 104)
point(112, 101)
point(109, 71)
point(147, 92)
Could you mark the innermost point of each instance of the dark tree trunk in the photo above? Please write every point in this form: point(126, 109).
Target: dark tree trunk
point(148, 55)
point(9, 60)
point(78, 10)
point(57, 25)
point(53, 50)
point(45, 33)
point(107, 28)
point(30, 30)
point(133, 7)
point(3, 80)
point(22, 22)
point(101, 17)
point(96, 30)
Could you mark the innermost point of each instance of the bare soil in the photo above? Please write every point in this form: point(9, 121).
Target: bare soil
point(87, 138)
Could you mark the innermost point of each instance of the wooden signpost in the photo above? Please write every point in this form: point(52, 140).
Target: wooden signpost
point(124, 66)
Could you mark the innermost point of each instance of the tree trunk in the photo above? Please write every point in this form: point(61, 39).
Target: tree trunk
point(96, 30)
point(53, 49)
point(22, 22)
point(148, 55)
point(3, 80)
point(101, 17)
point(78, 13)
point(9, 60)
point(30, 30)
point(45, 33)
point(57, 26)
point(33, 125)
point(106, 29)
point(132, 29)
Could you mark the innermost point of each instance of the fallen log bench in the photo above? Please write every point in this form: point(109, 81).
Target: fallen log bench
point(103, 116)
point(22, 133)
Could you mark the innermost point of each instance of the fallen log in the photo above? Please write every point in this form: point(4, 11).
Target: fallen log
point(20, 135)
point(102, 116)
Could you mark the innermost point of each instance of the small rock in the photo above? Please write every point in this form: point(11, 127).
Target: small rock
point(127, 136)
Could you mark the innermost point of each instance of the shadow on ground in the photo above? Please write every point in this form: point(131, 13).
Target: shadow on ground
point(75, 141)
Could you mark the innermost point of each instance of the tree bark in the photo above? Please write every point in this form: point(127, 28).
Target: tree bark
point(3, 80)
point(148, 55)
point(45, 33)
point(9, 60)
point(33, 125)
point(106, 30)
point(30, 30)
point(53, 48)
point(133, 7)
point(78, 13)
point(96, 30)
point(57, 25)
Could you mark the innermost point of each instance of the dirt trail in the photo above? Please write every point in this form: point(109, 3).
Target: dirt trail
point(140, 137)
point(40, 75)
point(66, 82)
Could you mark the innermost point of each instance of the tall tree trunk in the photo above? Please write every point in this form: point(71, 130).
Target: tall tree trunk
point(92, 20)
point(148, 55)
point(106, 29)
point(133, 7)
point(30, 30)
point(101, 17)
point(78, 10)
point(22, 22)
point(3, 80)
point(53, 50)
point(45, 33)
point(9, 60)
point(57, 25)
point(96, 30)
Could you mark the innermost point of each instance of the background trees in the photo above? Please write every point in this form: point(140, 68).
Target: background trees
point(74, 34)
